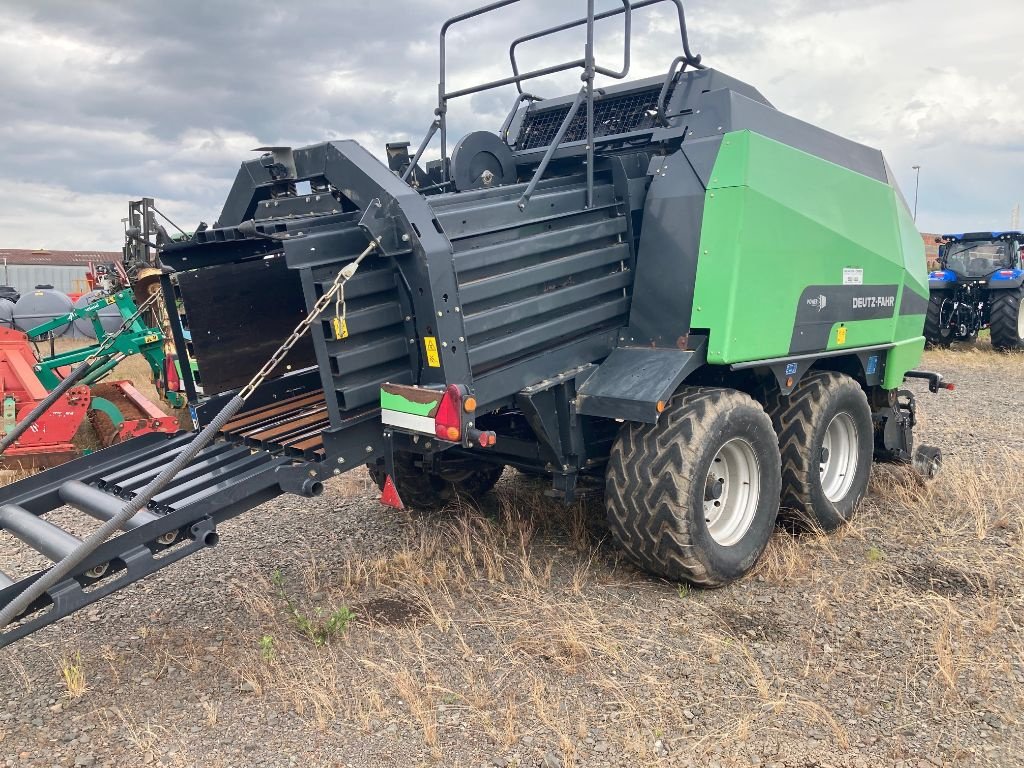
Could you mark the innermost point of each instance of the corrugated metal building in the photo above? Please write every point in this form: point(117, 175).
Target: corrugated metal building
point(64, 270)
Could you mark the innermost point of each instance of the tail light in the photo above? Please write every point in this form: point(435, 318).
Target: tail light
point(448, 418)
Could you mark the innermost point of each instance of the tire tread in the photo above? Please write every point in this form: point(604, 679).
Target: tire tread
point(647, 477)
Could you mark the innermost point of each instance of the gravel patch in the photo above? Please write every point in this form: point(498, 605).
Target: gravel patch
point(514, 635)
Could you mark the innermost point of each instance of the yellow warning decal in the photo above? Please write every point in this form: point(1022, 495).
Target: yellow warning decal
point(841, 335)
point(431, 345)
point(150, 338)
point(110, 299)
point(340, 328)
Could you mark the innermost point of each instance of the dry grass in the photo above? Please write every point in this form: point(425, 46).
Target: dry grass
point(73, 675)
point(515, 623)
point(517, 630)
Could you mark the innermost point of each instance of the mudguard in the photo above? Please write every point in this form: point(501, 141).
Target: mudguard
point(632, 382)
point(1006, 278)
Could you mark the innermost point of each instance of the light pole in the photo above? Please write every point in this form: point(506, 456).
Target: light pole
point(917, 187)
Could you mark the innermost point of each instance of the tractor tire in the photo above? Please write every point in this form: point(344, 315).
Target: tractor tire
point(695, 496)
point(425, 490)
point(934, 333)
point(1007, 319)
point(826, 439)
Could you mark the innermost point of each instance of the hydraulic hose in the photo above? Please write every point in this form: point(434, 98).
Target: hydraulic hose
point(204, 437)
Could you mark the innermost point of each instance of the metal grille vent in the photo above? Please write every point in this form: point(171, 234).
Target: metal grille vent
point(612, 115)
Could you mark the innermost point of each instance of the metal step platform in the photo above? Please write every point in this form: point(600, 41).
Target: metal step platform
point(261, 455)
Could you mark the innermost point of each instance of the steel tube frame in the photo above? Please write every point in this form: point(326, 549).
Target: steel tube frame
point(588, 63)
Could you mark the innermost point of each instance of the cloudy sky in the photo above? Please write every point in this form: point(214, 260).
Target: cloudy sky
point(101, 101)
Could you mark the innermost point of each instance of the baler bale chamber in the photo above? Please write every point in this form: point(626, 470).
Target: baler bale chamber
point(664, 289)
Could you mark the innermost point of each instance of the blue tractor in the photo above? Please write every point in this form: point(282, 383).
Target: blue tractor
point(979, 284)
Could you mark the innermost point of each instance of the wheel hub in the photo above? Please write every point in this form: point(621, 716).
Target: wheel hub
point(713, 488)
point(839, 457)
point(731, 492)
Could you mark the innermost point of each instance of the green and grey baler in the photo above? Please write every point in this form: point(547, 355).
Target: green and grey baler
point(666, 286)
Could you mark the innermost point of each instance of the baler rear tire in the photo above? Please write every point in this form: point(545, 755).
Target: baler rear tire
point(425, 490)
point(658, 483)
point(802, 420)
point(934, 333)
point(1007, 319)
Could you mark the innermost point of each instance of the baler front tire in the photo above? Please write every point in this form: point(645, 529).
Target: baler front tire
point(1007, 319)
point(425, 490)
point(659, 489)
point(826, 440)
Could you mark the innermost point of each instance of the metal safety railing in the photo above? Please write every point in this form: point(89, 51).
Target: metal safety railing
point(587, 63)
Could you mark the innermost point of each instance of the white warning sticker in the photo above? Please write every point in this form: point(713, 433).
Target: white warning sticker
point(852, 276)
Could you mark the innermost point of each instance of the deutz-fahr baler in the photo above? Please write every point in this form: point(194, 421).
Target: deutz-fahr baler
point(663, 288)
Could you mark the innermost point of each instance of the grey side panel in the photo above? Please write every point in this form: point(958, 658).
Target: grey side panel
point(822, 306)
point(726, 110)
point(666, 265)
point(251, 185)
point(702, 154)
point(631, 382)
point(911, 303)
point(695, 83)
point(892, 182)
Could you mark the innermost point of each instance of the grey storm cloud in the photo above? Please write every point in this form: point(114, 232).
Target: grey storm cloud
point(103, 101)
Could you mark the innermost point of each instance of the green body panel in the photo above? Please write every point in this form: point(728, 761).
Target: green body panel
point(778, 221)
point(900, 359)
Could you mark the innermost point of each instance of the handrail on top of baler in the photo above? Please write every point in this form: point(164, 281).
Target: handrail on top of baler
point(587, 63)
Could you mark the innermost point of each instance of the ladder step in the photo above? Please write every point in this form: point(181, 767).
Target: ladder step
point(101, 505)
point(5, 581)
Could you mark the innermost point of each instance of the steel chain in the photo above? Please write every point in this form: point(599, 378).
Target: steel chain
point(344, 275)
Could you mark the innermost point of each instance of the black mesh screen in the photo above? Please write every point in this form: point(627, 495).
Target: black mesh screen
point(612, 115)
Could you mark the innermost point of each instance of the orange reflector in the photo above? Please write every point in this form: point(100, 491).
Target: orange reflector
point(661, 406)
point(389, 496)
point(491, 438)
point(789, 381)
point(452, 433)
point(469, 404)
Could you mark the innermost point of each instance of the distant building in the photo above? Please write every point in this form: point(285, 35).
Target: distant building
point(931, 248)
point(64, 270)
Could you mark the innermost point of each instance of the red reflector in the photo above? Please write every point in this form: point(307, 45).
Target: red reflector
point(448, 419)
point(389, 496)
point(171, 380)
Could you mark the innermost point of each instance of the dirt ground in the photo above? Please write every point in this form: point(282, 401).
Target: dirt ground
point(340, 633)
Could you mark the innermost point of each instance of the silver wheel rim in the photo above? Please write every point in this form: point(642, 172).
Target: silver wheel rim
point(838, 459)
point(1020, 323)
point(731, 492)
